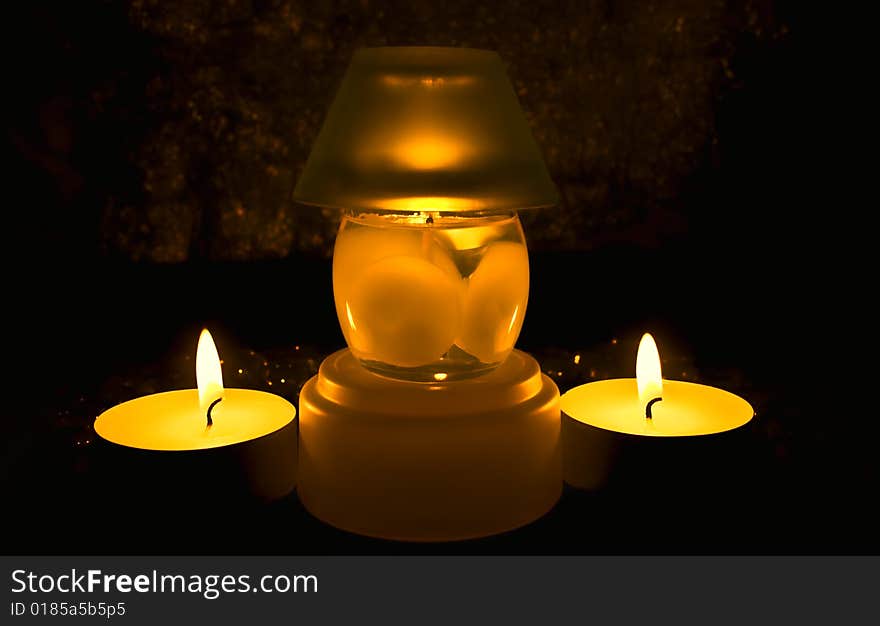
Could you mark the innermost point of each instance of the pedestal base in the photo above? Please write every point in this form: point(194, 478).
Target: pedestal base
point(429, 462)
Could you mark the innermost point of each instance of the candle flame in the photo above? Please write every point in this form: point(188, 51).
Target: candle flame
point(209, 376)
point(648, 375)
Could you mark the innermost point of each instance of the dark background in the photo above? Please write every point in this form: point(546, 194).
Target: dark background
point(154, 150)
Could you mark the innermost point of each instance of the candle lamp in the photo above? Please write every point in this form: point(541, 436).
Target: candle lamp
point(210, 445)
point(429, 426)
point(649, 433)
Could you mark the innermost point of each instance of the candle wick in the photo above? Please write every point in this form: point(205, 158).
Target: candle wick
point(213, 404)
point(648, 408)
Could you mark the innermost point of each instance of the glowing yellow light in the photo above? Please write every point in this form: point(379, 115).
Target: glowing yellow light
point(392, 80)
point(282, 381)
point(209, 375)
point(240, 371)
point(428, 151)
point(577, 359)
point(428, 204)
point(440, 376)
point(649, 378)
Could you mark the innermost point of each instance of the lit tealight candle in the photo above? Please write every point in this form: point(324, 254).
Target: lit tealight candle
point(600, 417)
point(221, 431)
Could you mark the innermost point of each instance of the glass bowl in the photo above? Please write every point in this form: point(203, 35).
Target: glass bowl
point(430, 297)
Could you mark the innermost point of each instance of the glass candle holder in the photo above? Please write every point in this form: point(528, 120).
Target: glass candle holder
point(429, 156)
point(428, 296)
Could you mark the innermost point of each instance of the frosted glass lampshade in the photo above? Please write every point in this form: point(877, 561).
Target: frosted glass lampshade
point(423, 128)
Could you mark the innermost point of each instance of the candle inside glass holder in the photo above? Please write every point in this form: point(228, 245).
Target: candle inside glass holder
point(429, 157)
point(430, 297)
point(430, 427)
